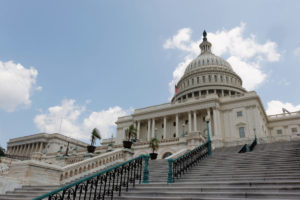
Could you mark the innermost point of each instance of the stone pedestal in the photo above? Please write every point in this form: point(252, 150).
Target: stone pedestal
point(32, 172)
point(195, 139)
point(128, 154)
point(36, 156)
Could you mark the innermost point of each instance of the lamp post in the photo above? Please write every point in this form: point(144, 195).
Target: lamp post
point(67, 150)
point(183, 130)
point(207, 119)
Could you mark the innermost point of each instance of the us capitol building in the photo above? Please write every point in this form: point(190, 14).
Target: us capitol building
point(209, 88)
point(209, 96)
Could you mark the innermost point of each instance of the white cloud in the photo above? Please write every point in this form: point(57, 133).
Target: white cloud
point(16, 85)
point(275, 107)
point(105, 120)
point(67, 119)
point(297, 52)
point(245, 54)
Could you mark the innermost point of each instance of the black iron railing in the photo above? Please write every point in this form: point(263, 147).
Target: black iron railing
point(254, 143)
point(105, 184)
point(180, 165)
point(248, 148)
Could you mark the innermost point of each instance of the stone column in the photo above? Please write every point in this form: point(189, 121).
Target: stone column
point(14, 149)
point(138, 129)
point(41, 147)
point(153, 128)
point(195, 121)
point(165, 127)
point(177, 122)
point(216, 123)
point(190, 122)
point(35, 147)
point(22, 149)
point(209, 125)
point(26, 149)
point(149, 128)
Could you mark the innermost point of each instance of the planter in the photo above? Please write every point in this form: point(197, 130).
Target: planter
point(127, 144)
point(153, 156)
point(91, 149)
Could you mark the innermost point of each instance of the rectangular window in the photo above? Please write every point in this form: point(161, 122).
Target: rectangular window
point(174, 123)
point(203, 79)
point(198, 80)
point(239, 114)
point(279, 131)
point(294, 130)
point(242, 132)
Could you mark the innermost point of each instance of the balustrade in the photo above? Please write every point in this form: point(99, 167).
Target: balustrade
point(104, 184)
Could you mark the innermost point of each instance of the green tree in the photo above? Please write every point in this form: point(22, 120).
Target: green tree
point(95, 135)
point(153, 144)
point(130, 133)
point(2, 151)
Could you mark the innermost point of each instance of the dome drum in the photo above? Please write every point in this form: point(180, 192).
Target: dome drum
point(208, 74)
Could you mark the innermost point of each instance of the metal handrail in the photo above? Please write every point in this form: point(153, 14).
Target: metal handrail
point(181, 164)
point(103, 184)
point(248, 148)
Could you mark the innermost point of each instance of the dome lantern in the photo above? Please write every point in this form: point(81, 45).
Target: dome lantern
point(205, 46)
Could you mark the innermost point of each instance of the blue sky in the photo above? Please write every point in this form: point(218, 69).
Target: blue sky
point(70, 66)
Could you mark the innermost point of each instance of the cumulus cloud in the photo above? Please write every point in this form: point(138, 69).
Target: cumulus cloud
point(105, 120)
point(275, 107)
point(67, 119)
point(297, 52)
point(244, 53)
point(16, 85)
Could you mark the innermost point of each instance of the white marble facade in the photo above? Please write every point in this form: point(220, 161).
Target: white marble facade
point(210, 87)
point(41, 143)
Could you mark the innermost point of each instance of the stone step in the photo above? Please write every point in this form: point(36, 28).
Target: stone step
point(124, 197)
point(194, 188)
point(265, 194)
point(193, 179)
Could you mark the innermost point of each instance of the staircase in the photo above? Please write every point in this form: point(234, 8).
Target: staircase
point(30, 192)
point(270, 171)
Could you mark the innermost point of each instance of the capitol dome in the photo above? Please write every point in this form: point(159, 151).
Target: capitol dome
point(207, 74)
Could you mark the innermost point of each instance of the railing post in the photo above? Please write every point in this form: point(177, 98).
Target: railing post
point(208, 139)
point(146, 170)
point(170, 172)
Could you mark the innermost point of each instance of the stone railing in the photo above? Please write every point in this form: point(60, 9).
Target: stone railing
point(33, 172)
point(77, 168)
point(167, 140)
point(74, 159)
point(291, 114)
point(3, 169)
